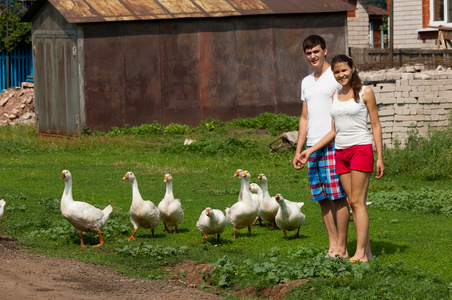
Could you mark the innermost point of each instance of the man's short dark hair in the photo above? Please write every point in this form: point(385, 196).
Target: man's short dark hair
point(312, 41)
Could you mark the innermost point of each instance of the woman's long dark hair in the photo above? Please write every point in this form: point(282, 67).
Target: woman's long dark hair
point(355, 81)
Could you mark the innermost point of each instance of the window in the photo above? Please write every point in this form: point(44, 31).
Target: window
point(440, 12)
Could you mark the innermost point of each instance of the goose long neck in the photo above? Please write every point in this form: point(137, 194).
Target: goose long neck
point(67, 194)
point(283, 206)
point(169, 188)
point(212, 217)
point(246, 196)
point(135, 191)
point(260, 193)
point(265, 189)
point(242, 187)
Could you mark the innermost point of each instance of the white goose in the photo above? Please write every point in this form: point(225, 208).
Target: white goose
point(211, 221)
point(83, 216)
point(171, 212)
point(257, 195)
point(289, 216)
point(268, 206)
point(2, 207)
point(243, 213)
point(143, 213)
point(237, 174)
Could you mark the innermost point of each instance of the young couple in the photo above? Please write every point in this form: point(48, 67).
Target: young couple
point(339, 154)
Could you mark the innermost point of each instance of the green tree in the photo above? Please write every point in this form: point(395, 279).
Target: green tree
point(19, 32)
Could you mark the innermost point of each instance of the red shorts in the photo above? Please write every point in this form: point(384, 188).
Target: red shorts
point(358, 158)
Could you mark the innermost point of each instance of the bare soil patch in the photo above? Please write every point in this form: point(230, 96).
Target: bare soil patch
point(31, 276)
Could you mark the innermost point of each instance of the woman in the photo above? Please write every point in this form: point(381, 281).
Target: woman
point(354, 155)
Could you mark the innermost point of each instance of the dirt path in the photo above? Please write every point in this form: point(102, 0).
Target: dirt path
point(31, 276)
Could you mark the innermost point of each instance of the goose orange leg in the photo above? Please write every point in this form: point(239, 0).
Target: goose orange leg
point(152, 233)
point(234, 232)
point(101, 240)
point(82, 244)
point(249, 230)
point(133, 235)
point(285, 234)
point(297, 235)
point(166, 228)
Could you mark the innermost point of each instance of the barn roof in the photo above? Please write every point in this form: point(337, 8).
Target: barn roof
point(86, 11)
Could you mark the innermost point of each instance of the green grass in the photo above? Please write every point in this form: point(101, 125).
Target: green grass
point(410, 226)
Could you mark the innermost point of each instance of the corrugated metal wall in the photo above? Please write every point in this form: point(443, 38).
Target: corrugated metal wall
point(187, 70)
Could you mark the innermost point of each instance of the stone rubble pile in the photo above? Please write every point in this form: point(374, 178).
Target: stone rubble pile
point(17, 105)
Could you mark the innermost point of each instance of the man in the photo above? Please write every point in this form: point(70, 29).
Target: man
point(317, 90)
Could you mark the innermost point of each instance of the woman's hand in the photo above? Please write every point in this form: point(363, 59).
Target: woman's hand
point(380, 168)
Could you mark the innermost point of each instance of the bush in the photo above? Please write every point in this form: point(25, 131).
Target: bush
point(275, 124)
point(427, 158)
point(177, 129)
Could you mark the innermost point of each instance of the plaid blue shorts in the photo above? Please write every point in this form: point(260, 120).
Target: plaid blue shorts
point(323, 179)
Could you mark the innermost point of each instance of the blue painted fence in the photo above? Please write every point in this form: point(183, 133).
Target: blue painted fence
point(21, 66)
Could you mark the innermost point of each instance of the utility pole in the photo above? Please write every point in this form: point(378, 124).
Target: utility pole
point(7, 51)
point(391, 33)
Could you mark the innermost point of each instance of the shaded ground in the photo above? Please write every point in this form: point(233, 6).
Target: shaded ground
point(31, 276)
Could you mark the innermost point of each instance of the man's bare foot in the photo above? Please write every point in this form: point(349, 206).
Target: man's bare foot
point(340, 254)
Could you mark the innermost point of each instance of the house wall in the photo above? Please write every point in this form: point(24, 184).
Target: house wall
point(188, 70)
point(358, 26)
point(411, 101)
point(408, 19)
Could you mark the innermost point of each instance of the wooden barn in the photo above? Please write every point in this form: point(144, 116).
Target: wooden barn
point(106, 63)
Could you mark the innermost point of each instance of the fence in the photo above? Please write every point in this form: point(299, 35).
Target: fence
point(21, 66)
point(377, 59)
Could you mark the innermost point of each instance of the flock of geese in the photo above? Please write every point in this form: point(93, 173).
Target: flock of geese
point(254, 204)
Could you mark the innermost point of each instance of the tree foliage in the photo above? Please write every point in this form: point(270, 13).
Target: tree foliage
point(19, 32)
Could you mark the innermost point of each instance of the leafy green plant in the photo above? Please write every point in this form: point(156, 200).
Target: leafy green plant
point(149, 251)
point(429, 158)
point(210, 125)
point(274, 123)
point(177, 129)
point(426, 200)
point(230, 145)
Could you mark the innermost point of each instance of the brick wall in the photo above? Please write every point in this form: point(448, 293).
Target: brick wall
point(410, 98)
point(408, 19)
point(358, 26)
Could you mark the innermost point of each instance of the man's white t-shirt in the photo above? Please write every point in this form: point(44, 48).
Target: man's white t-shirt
point(318, 96)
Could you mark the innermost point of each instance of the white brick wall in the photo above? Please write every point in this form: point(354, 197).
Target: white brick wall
point(358, 26)
point(408, 102)
point(407, 22)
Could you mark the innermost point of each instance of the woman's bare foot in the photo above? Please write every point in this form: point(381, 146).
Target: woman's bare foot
point(356, 258)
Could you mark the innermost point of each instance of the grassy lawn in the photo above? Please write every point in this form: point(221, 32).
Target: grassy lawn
point(410, 227)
